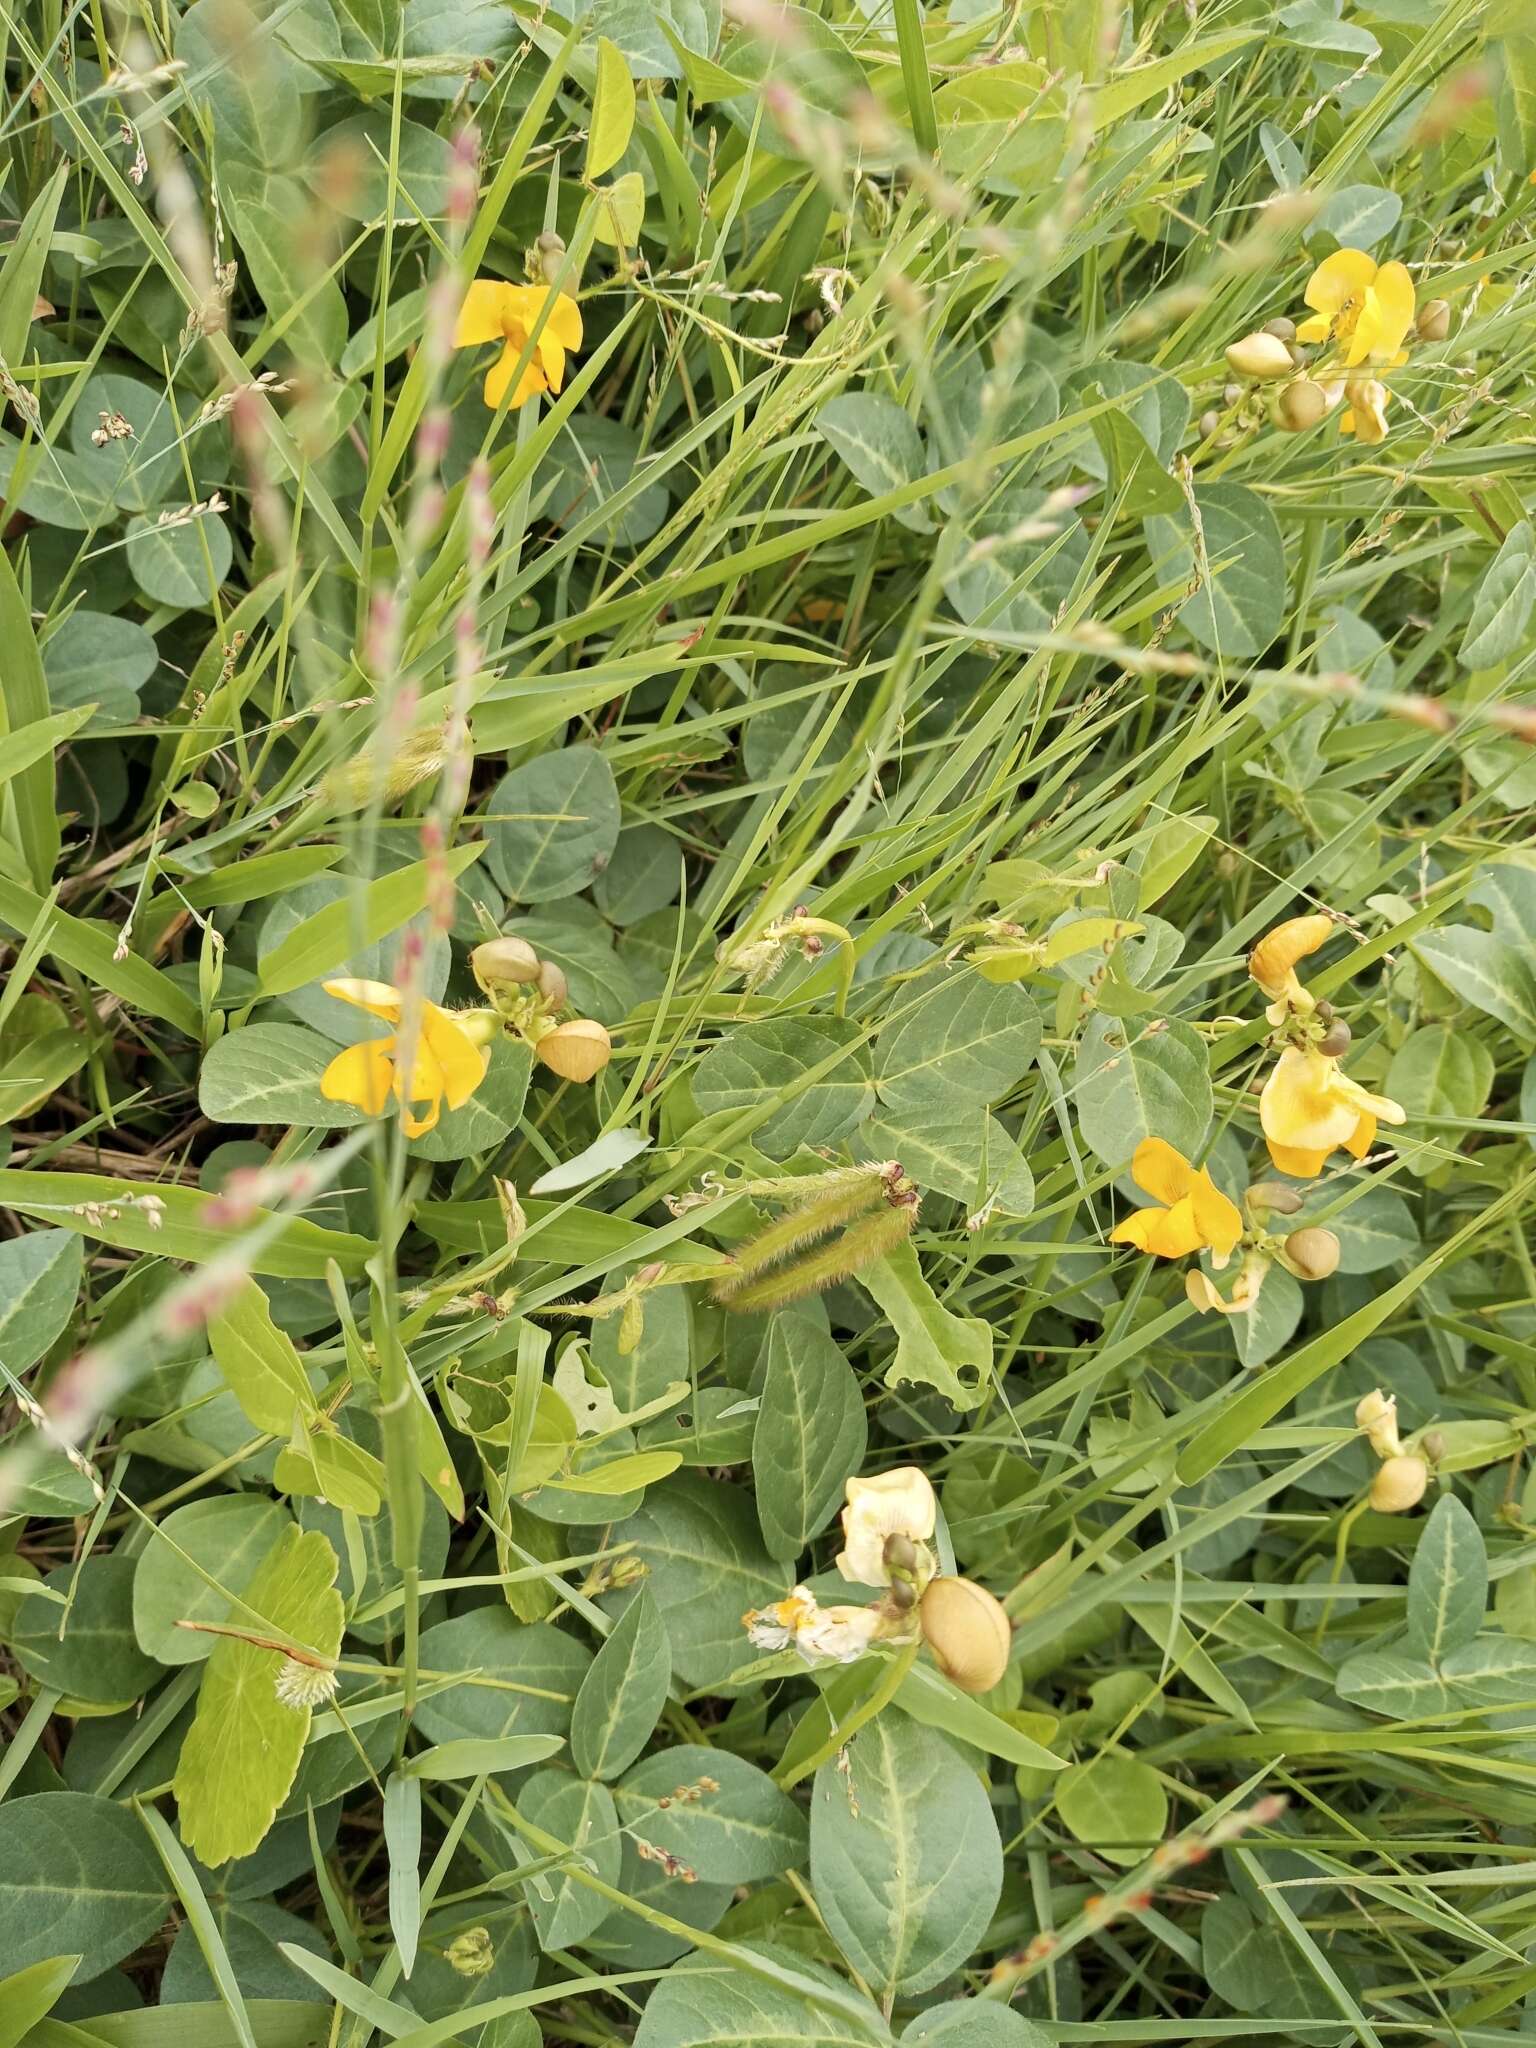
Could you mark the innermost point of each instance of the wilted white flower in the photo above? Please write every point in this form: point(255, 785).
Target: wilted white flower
point(837, 1635)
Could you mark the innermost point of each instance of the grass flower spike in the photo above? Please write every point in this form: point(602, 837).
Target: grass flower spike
point(1366, 308)
point(508, 313)
point(1195, 1216)
point(448, 1066)
point(1310, 1106)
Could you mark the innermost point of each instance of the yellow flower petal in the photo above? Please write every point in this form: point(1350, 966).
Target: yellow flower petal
point(564, 322)
point(1386, 315)
point(1300, 1163)
point(500, 376)
point(1315, 329)
point(1339, 278)
point(362, 1075)
point(1216, 1218)
point(376, 997)
point(461, 1063)
point(1173, 1232)
point(1161, 1170)
point(485, 311)
point(1362, 1138)
point(1136, 1229)
point(551, 360)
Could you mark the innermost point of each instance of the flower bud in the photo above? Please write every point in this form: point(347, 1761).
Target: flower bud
point(1280, 327)
point(472, 1953)
point(1434, 321)
point(576, 1051)
point(1300, 405)
point(1275, 1196)
point(1260, 356)
point(1399, 1485)
point(502, 962)
point(1312, 1254)
point(549, 255)
point(1432, 1444)
point(967, 1631)
point(1374, 1408)
point(1335, 1040)
point(553, 986)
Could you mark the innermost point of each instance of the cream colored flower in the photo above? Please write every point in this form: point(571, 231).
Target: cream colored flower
point(895, 1503)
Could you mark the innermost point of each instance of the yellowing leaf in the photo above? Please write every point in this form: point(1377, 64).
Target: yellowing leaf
point(621, 210)
point(262, 1367)
point(613, 110)
point(243, 1748)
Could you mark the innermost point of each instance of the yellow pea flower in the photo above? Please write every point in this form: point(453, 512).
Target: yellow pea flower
point(508, 313)
point(1197, 1216)
point(1310, 1106)
point(1366, 414)
point(1272, 963)
point(449, 1062)
point(1367, 308)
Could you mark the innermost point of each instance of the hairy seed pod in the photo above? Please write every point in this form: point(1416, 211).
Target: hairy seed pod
point(501, 963)
point(553, 986)
point(1399, 1485)
point(967, 1631)
point(1260, 357)
point(1434, 321)
point(576, 1051)
point(1335, 1040)
point(1312, 1253)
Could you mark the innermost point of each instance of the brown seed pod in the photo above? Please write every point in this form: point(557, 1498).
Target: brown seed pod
point(576, 1051)
point(1312, 1253)
point(502, 962)
point(553, 986)
point(967, 1631)
point(1335, 1040)
point(1434, 321)
point(1399, 1485)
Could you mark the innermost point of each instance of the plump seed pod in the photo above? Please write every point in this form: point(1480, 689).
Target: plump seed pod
point(576, 1051)
point(1233, 394)
point(967, 1631)
point(1281, 328)
point(1210, 423)
point(549, 255)
point(1399, 1485)
point(553, 986)
point(1434, 321)
point(1260, 356)
point(1312, 1254)
point(1335, 1040)
point(503, 963)
point(1275, 1196)
point(1300, 405)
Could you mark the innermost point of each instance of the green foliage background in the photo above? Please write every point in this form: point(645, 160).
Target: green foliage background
point(879, 561)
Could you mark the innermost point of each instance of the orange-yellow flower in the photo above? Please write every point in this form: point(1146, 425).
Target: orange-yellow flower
point(1272, 963)
point(1367, 308)
point(508, 313)
point(1197, 1216)
point(1309, 1106)
point(448, 1066)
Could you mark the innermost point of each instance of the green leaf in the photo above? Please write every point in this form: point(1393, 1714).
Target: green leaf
point(1132, 465)
point(1132, 1083)
point(224, 1539)
point(471, 1758)
point(1447, 1582)
point(24, 701)
point(39, 1283)
point(325, 940)
point(77, 1874)
point(243, 1748)
point(21, 275)
point(1114, 1805)
point(974, 2023)
point(26, 1996)
point(402, 1841)
point(260, 1364)
point(591, 474)
point(623, 1693)
point(91, 948)
point(811, 1434)
point(613, 113)
point(1514, 67)
point(180, 563)
point(1485, 971)
point(516, 1680)
point(552, 825)
point(86, 1649)
point(582, 1813)
point(968, 1156)
point(906, 1865)
point(270, 1074)
point(950, 1353)
point(702, 2005)
point(1133, 85)
point(108, 1210)
point(772, 1063)
point(879, 443)
point(963, 1042)
point(1501, 610)
point(1438, 1071)
point(706, 1566)
point(1388, 1682)
point(1492, 1671)
point(267, 213)
point(1240, 601)
point(95, 659)
point(744, 1830)
point(930, 1699)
